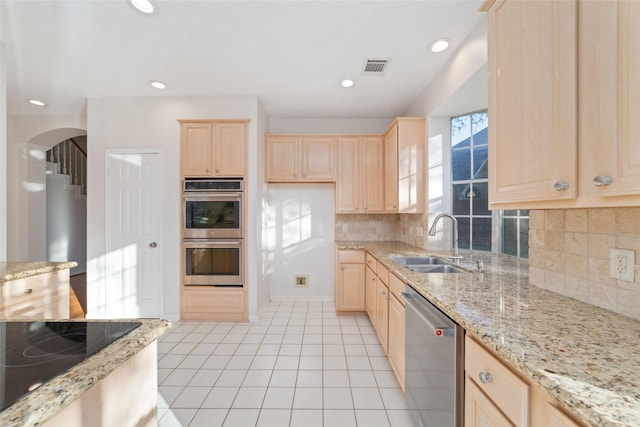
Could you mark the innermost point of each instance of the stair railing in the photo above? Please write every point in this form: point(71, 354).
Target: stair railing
point(71, 160)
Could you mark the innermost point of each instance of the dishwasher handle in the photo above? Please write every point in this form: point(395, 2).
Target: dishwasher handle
point(438, 331)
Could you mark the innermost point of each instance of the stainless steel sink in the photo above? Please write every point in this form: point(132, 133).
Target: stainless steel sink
point(418, 260)
point(435, 269)
point(427, 264)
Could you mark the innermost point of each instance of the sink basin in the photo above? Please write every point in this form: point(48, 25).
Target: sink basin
point(418, 260)
point(435, 269)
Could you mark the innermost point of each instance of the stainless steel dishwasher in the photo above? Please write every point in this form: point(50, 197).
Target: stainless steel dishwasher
point(434, 379)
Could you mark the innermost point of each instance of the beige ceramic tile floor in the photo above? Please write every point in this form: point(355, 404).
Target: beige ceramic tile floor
point(299, 365)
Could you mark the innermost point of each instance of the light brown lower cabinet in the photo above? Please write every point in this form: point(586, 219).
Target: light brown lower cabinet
point(396, 337)
point(209, 303)
point(495, 396)
point(44, 296)
point(350, 280)
point(382, 314)
point(371, 284)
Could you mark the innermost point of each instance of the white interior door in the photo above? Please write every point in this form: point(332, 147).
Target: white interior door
point(134, 256)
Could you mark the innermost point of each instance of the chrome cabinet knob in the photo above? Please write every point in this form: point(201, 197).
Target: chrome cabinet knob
point(485, 377)
point(561, 186)
point(153, 245)
point(602, 180)
point(28, 291)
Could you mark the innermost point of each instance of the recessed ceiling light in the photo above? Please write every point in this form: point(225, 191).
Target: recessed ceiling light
point(346, 83)
point(36, 102)
point(439, 45)
point(144, 6)
point(158, 84)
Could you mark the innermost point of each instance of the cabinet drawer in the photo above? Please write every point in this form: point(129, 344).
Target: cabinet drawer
point(351, 257)
point(38, 308)
point(499, 383)
point(372, 263)
point(396, 286)
point(213, 304)
point(47, 285)
point(383, 274)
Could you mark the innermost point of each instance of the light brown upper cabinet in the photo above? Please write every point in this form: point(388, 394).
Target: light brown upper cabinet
point(547, 75)
point(211, 148)
point(532, 101)
point(404, 160)
point(609, 105)
point(360, 178)
point(307, 158)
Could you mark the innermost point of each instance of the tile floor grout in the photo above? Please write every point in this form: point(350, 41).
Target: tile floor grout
point(300, 364)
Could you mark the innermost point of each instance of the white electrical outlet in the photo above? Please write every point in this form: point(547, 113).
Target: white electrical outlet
point(622, 264)
point(345, 227)
point(300, 281)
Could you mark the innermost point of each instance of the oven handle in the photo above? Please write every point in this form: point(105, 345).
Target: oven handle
point(203, 197)
point(210, 242)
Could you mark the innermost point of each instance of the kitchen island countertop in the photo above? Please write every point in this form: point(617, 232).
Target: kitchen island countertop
point(21, 270)
point(56, 394)
point(585, 357)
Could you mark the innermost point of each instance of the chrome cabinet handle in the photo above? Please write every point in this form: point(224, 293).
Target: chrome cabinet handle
point(485, 377)
point(28, 291)
point(561, 186)
point(217, 170)
point(153, 245)
point(602, 180)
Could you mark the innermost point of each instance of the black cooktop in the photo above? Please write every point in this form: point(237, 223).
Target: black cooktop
point(32, 353)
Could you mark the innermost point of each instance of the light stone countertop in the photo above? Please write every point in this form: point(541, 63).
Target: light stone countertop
point(585, 357)
point(21, 270)
point(56, 394)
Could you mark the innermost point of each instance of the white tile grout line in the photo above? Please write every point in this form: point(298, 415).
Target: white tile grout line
point(307, 319)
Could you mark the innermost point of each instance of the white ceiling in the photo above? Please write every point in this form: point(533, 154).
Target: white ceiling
point(291, 54)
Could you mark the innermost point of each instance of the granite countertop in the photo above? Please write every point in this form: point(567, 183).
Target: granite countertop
point(56, 394)
point(585, 357)
point(20, 270)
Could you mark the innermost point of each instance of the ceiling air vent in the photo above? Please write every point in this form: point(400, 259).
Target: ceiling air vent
point(375, 66)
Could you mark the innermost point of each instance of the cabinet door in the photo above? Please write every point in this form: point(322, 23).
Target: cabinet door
point(351, 289)
point(371, 287)
point(318, 158)
point(373, 174)
point(382, 315)
point(396, 338)
point(229, 140)
point(281, 159)
point(348, 177)
point(195, 149)
point(609, 106)
point(411, 161)
point(391, 170)
point(532, 101)
point(479, 411)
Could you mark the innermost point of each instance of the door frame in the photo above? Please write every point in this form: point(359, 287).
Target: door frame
point(160, 152)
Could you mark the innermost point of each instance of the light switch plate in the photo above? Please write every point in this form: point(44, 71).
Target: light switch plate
point(622, 264)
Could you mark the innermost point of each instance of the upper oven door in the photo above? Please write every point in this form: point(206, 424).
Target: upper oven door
point(212, 216)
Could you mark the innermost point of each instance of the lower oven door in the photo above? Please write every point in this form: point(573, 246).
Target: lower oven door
point(213, 262)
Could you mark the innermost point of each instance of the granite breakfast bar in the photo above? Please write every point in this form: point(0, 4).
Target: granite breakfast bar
point(584, 357)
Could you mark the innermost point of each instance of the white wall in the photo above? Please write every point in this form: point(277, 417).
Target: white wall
point(262, 294)
point(29, 137)
point(280, 125)
point(150, 122)
point(3, 147)
point(301, 239)
point(66, 221)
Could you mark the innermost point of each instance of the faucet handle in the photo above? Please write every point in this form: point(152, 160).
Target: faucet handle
point(480, 265)
point(455, 258)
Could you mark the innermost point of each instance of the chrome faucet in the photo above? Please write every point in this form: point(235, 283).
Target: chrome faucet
point(456, 257)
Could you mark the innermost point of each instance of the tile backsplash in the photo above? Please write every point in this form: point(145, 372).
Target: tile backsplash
point(569, 254)
point(368, 227)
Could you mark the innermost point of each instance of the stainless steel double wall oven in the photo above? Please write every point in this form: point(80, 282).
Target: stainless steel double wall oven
point(213, 214)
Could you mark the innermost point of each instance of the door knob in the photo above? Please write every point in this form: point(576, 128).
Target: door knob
point(561, 186)
point(153, 245)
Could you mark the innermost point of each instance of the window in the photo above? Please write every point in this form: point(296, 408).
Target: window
point(470, 202)
point(514, 227)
